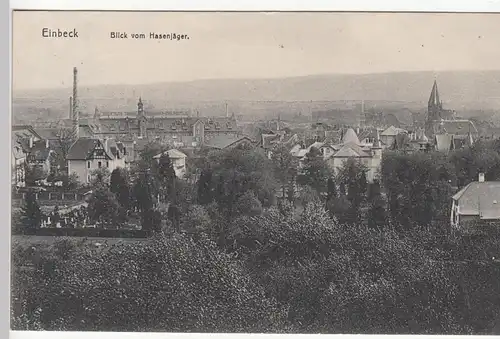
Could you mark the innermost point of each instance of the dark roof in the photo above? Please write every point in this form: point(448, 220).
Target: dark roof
point(25, 130)
point(456, 127)
point(82, 149)
point(128, 124)
point(39, 151)
point(223, 141)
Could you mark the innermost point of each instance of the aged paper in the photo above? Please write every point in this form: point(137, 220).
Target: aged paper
point(255, 172)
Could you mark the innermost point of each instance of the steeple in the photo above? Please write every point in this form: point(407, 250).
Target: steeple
point(434, 101)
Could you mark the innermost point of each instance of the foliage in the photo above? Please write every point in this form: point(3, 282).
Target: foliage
point(99, 177)
point(284, 165)
point(418, 187)
point(248, 204)
point(315, 171)
point(171, 285)
point(119, 185)
point(31, 213)
point(167, 176)
point(33, 173)
point(236, 171)
point(105, 209)
point(205, 187)
point(481, 157)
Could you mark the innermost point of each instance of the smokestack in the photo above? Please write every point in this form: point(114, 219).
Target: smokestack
point(227, 112)
point(76, 115)
point(31, 142)
point(71, 107)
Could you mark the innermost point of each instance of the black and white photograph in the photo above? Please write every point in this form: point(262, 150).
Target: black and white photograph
point(255, 172)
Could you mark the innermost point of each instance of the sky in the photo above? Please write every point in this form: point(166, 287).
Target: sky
point(245, 45)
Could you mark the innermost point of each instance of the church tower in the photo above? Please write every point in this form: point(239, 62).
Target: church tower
point(435, 106)
point(141, 118)
point(434, 110)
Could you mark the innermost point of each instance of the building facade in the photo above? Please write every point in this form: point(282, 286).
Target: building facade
point(88, 154)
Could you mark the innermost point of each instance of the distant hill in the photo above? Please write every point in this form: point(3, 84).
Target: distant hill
point(462, 91)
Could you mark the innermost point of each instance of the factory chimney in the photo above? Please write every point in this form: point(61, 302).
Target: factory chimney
point(70, 107)
point(75, 110)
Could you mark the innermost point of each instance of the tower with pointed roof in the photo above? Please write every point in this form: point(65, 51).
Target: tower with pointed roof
point(435, 111)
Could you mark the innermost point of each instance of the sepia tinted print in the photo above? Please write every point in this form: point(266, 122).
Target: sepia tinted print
point(256, 172)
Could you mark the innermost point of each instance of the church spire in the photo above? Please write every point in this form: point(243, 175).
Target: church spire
point(434, 101)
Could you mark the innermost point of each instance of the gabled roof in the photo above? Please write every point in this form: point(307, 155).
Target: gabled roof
point(443, 142)
point(39, 151)
point(224, 141)
point(25, 131)
point(83, 148)
point(172, 153)
point(480, 198)
point(350, 137)
point(392, 131)
point(458, 127)
point(351, 150)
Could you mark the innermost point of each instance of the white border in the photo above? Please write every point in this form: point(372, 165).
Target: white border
point(263, 5)
point(204, 5)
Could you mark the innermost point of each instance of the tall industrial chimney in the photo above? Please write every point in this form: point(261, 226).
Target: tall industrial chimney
point(75, 112)
point(70, 107)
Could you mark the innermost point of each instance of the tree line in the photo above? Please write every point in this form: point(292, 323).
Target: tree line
point(271, 247)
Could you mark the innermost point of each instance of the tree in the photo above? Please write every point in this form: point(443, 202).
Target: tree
point(174, 215)
point(65, 140)
point(120, 187)
point(151, 220)
point(315, 171)
point(70, 182)
point(167, 174)
point(285, 166)
point(353, 176)
point(105, 209)
point(33, 173)
point(55, 215)
point(205, 195)
point(142, 192)
point(377, 216)
point(248, 204)
point(331, 189)
point(100, 177)
point(31, 213)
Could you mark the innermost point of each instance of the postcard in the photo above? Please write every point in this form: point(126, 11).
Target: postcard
point(255, 172)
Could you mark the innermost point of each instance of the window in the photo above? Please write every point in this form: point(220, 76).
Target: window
point(99, 164)
point(107, 164)
point(88, 164)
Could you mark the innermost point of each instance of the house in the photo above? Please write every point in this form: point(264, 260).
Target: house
point(350, 147)
point(40, 155)
point(388, 136)
point(178, 161)
point(89, 154)
point(477, 203)
point(18, 160)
